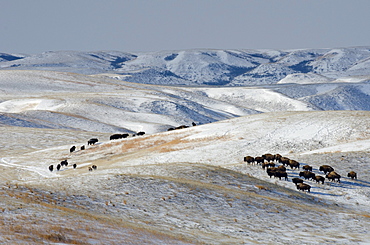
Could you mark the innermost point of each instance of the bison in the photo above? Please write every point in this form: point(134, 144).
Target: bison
point(64, 163)
point(74, 165)
point(249, 159)
point(284, 161)
point(307, 167)
point(92, 141)
point(82, 148)
point(352, 175)
point(281, 174)
point(319, 178)
point(269, 157)
point(94, 167)
point(297, 180)
point(72, 149)
point(303, 187)
point(58, 167)
point(51, 168)
point(326, 169)
point(118, 136)
point(140, 133)
point(259, 159)
point(268, 164)
point(307, 174)
point(293, 164)
point(333, 175)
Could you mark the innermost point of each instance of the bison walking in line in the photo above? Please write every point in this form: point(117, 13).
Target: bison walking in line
point(326, 169)
point(58, 167)
point(73, 148)
point(118, 136)
point(92, 141)
point(74, 165)
point(293, 164)
point(51, 168)
point(307, 175)
point(307, 167)
point(296, 181)
point(319, 178)
point(333, 175)
point(303, 187)
point(249, 159)
point(352, 175)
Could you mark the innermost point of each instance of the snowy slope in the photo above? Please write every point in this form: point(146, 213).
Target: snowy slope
point(202, 67)
point(192, 186)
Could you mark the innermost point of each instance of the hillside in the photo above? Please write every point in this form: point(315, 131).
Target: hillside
point(190, 185)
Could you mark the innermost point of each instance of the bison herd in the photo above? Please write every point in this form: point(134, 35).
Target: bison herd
point(270, 162)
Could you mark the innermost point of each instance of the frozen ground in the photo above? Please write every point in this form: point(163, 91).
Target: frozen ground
point(191, 185)
point(187, 186)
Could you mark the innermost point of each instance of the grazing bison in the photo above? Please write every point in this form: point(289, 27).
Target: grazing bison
point(307, 167)
point(118, 136)
point(284, 161)
point(90, 168)
point(281, 174)
point(194, 124)
point(282, 168)
point(303, 187)
point(140, 133)
point(249, 159)
point(51, 168)
point(269, 157)
point(92, 141)
point(333, 175)
point(73, 148)
point(326, 169)
point(58, 167)
point(296, 181)
point(352, 175)
point(293, 164)
point(307, 175)
point(319, 178)
point(259, 159)
point(64, 163)
point(74, 165)
point(268, 164)
point(82, 148)
point(94, 167)
point(271, 171)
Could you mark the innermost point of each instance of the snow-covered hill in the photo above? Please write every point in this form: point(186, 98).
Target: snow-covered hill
point(203, 67)
point(184, 186)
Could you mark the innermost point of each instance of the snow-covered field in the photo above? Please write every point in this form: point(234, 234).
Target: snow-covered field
point(186, 186)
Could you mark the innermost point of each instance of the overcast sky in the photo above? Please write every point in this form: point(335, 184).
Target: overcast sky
point(35, 26)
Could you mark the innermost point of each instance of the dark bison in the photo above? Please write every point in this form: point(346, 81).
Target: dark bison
point(282, 168)
point(73, 148)
point(259, 160)
point(278, 157)
point(58, 167)
point(94, 167)
point(90, 168)
point(307, 167)
point(319, 179)
point(118, 136)
point(303, 187)
point(296, 181)
point(293, 164)
point(249, 159)
point(140, 133)
point(352, 175)
point(64, 163)
point(271, 171)
point(281, 174)
point(284, 161)
point(269, 157)
point(194, 124)
point(326, 169)
point(332, 176)
point(51, 168)
point(82, 148)
point(92, 141)
point(74, 165)
point(268, 165)
point(307, 175)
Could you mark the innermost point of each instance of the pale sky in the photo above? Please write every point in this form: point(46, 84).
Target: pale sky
point(35, 26)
